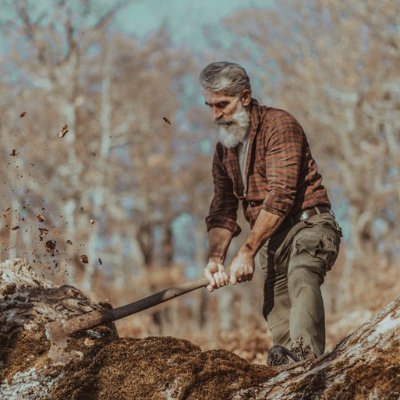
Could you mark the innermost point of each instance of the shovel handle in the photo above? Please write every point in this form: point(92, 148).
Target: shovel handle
point(99, 317)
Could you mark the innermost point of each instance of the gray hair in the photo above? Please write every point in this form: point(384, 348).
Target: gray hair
point(225, 77)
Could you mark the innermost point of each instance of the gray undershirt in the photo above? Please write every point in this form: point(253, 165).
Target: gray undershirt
point(243, 149)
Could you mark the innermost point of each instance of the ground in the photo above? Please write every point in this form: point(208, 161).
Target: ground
point(100, 365)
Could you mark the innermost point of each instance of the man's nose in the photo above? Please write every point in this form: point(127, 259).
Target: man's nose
point(217, 113)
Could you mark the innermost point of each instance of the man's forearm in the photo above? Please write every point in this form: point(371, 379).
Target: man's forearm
point(264, 227)
point(218, 243)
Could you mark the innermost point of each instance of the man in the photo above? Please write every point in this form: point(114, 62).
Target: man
point(263, 159)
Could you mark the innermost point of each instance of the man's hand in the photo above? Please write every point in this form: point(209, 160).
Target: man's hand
point(215, 273)
point(242, 268)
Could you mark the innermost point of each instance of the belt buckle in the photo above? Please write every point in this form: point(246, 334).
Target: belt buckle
point(304, 216)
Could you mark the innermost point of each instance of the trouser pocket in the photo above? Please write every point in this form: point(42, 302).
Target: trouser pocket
point(322, 244)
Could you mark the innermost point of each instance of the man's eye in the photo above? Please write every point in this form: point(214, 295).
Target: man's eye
point(220, 106)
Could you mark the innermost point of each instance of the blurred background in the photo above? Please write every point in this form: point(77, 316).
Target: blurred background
point(106, 148)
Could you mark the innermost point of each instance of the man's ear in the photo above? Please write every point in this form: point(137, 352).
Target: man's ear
point(246, 97)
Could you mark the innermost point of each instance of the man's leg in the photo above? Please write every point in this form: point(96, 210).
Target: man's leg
point(276, 307)
point(313, 253)
point(307, 317)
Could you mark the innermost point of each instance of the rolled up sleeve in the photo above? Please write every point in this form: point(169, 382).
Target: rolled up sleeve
point(283, 162)
point(224, 204)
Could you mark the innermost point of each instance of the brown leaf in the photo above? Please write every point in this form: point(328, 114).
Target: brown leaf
point(14, 228)
point(166, 120)
point(69, 242)
point(13, 153)
point(22, 115)
point(40, 218)
point(84, 258)
point(92, 222)
point(63, 132)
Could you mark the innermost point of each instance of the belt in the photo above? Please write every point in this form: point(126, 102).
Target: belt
point(302, 216)
point(309, 212)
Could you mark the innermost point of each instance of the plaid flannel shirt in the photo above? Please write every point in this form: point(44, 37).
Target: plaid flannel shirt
point(282, 176)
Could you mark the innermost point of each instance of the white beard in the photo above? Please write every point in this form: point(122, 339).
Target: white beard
point(230, 135)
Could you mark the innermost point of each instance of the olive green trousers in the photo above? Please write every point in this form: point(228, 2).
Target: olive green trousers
point(295, 262)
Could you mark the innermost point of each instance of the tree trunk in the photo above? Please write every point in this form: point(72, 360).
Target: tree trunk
point(98, 198)
point(365, 365)
point(167, 245)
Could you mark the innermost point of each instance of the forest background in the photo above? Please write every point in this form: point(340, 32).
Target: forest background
point(106, 148)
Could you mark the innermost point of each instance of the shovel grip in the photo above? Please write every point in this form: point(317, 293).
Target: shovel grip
point(99, 317)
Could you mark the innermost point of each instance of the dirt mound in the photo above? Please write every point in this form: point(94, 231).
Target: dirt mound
point(158, 368)
point(102, 365)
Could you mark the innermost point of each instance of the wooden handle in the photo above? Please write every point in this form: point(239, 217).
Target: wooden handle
point(96, 318)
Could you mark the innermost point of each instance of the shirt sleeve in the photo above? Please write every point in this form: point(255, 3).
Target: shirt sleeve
point(283, 159)
point(224, 205)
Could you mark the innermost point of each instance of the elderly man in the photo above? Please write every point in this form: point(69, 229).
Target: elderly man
point(263, 159)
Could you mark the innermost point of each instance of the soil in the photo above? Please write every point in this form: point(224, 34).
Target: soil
point(101, 365)
point(126, 368)
point(157, 368)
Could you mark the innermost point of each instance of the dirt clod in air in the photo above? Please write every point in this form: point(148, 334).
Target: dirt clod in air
point(63, 132)
point(42, 233)
point(51, 246)
point(40, 218)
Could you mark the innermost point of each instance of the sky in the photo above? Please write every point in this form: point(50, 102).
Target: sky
point(187, 19)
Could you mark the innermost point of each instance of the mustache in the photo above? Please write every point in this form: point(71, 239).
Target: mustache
point(225, 122)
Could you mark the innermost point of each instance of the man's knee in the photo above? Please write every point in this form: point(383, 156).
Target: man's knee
point(301, 275)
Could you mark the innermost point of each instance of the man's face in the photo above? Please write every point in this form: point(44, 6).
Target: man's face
point(230, 115)
point(223, 107)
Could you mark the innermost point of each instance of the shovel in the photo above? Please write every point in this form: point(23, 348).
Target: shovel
point(58, 331)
